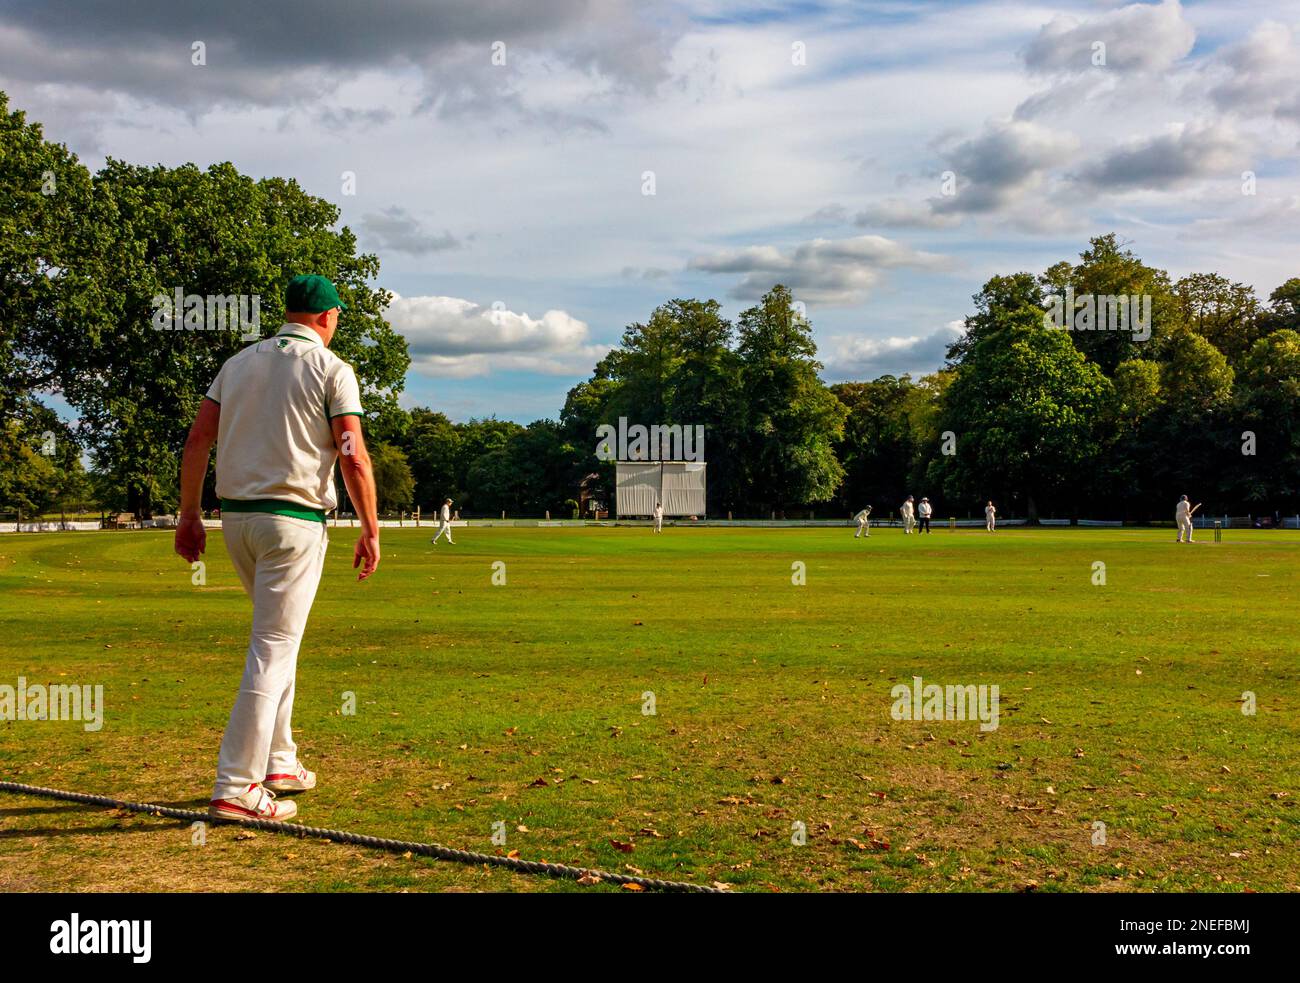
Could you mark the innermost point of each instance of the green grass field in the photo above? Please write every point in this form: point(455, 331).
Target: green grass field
point(523, 704)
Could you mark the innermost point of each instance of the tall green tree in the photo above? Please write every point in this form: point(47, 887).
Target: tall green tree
point(878, 446)
point(394, 484)
point(1266, 434)
point(1108, 268)
point(1224, 313)
point(205, 232)
point(44, 241)
point(1022, 404)
point(791, 420)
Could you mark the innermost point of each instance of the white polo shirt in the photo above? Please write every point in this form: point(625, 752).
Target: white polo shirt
point(275, 443)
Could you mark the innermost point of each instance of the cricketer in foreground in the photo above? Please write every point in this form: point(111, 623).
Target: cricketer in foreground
point(280, 412)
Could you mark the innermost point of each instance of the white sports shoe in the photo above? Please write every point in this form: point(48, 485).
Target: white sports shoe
point(301, 780)
point(256, 803)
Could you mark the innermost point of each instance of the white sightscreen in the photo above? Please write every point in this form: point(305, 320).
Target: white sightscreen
point(682, 487)
point(637, 486)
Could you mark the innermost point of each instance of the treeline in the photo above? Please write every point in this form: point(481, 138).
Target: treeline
point(1102, 423)
point(1045, 422)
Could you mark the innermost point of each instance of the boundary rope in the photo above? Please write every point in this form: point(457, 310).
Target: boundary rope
point(374, 842)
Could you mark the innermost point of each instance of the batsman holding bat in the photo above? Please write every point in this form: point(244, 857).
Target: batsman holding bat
point(1183, 517)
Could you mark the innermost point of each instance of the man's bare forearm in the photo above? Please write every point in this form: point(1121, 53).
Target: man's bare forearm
point(194, 461)
point(194, 468)
point(359, 478)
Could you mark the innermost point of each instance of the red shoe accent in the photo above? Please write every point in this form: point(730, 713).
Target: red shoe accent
point(227, 804)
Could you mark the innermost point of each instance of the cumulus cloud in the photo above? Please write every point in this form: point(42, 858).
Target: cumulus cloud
point(852, 357)
point(448, 336)
point(1182, 153)
point(395, 229)
point(1002, 170)
point(1005, 162)
point(1137, 38)
point(820, 271)
point(1261, 75)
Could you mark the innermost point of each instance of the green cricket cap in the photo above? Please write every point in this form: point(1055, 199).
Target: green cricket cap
point(311, 295)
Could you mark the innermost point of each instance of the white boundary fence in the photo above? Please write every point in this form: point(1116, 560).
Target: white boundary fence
point(169, 522)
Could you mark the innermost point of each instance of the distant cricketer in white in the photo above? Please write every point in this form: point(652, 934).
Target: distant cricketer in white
point(863, 519)
point(444, 524)
point(1183, 513)
point(281, 411)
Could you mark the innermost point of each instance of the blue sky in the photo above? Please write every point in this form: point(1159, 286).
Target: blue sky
point(799, 142)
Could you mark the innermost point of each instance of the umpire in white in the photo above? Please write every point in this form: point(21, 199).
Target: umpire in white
point(281, 411)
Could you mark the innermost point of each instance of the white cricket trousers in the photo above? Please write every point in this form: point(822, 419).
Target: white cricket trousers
point(862, 527)
point(444, 527)
point(279, 561)
point(990, 523)
point(1184, 529)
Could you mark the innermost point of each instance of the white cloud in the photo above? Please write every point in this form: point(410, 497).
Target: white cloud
point(858, 358)
point(1140, 37)
point(1262, 76)
point(448, 336)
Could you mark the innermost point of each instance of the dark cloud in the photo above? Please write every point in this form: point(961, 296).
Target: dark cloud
point(1181, 154)
point(261, 53)
point(821, 271)
point(395, 229)
point(995, 168)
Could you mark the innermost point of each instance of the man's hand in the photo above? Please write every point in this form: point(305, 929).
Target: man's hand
point(366, 555)
point(191, 537)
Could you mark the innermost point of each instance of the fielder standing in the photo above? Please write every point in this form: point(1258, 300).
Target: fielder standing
point(908, 516)
point(444, 523)
point(990, 517)
point(659, 517)
point(280, 412)
point(863, 519)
